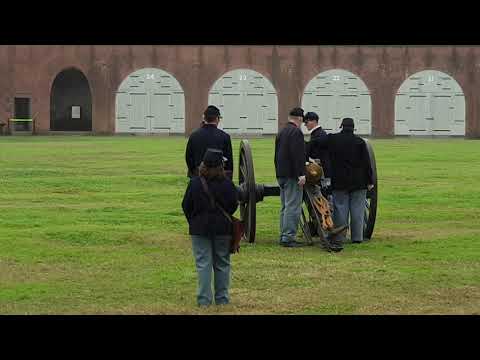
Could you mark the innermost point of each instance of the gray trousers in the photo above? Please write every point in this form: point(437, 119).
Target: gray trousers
point(350, 204)
point(212, 254)
point(291, 195)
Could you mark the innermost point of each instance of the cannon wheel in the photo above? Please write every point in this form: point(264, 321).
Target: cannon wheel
point(246, 178)
point(248, 210)
point(372, 197)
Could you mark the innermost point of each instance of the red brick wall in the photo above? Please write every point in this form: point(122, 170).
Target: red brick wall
point(30, 70)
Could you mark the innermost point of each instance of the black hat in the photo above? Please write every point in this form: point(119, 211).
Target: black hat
point(211, 112)
point(213, 158)
point(310, 116)
point(347, 123)
point(296, 112)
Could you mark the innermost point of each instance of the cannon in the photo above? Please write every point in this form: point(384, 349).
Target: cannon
point(250, 193)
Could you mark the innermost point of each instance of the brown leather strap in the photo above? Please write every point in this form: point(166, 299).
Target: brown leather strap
point(205, 188)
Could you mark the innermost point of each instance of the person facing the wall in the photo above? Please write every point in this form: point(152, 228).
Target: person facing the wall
point(206, 137)
point(209, 228)
point(351, 174)
point(290, 172)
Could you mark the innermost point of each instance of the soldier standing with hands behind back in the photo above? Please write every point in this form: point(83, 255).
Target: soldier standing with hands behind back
point(290, 172)
point(208, 136)
point(351, 178)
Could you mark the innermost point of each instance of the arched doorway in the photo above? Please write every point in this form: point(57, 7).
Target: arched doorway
point(70, 102)
point(248, 102)
point(335, 94)
point(430, 102)
point(150, 101)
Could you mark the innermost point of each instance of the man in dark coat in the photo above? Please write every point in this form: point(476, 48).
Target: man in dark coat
point(290, 172)
point(317, 135)
point(206, 137)
point(351, 174)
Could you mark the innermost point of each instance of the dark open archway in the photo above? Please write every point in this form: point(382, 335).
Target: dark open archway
point(70, 102)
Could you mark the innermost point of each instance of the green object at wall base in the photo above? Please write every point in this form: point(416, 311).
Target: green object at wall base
point(21, 125)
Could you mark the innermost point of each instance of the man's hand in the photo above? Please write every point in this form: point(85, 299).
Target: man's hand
point(301, 180)
point(370, 187)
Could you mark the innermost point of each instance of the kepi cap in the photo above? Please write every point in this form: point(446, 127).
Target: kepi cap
point(211, 111)
point(347, 123)
point(213, 158)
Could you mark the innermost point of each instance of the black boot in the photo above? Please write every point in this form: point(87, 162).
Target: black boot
point(338, 230)
point(336, 238)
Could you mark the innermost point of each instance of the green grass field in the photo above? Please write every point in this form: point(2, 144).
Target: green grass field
point(93, 225)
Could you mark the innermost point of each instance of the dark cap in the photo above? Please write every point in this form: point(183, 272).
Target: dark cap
point(296, 112)
point(347, 123)
point(213, 158)
point(211, 112)
point(310, 116)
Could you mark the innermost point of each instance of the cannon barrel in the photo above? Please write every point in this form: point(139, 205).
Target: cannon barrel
point(261, 191)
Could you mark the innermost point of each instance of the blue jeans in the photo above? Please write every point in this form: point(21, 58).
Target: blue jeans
point(212, 254)
point(291, 195)
point(350, 203)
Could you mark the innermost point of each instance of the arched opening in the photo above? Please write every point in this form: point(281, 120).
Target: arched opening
point(335, 94)
point(430, 103)
point(70, 102)
point(150, 101)
point(248, 102)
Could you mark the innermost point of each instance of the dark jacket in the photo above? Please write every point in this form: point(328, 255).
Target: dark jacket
point(290, 152)
point(208, 136)
point(315, 150)
point(350, 163)
point(202, 219)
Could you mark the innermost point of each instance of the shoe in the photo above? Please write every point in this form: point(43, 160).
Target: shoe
point(336, 242)
point(336, 248)
point(291, 244)
point(203, 305)
point(338, 230)
point(325, 243)
point(357, 242)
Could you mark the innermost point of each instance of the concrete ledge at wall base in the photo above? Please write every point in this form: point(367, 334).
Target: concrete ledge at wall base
point(233, 136)
point(101, 133)
point(387, 137)
point(252, 136)
point(425, 137)
point(57, 132)
point(42, 132)
point(148, 134)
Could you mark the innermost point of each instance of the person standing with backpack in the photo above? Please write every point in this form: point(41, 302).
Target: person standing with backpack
point(209, 227)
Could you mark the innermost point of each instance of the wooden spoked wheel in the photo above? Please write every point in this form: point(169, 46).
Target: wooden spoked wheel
point(372, 198)
point(246, 179)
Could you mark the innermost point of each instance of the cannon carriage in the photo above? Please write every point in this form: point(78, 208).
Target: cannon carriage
point(312, 221)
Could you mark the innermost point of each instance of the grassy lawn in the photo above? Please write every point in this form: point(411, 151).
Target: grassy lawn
point(93, 225)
